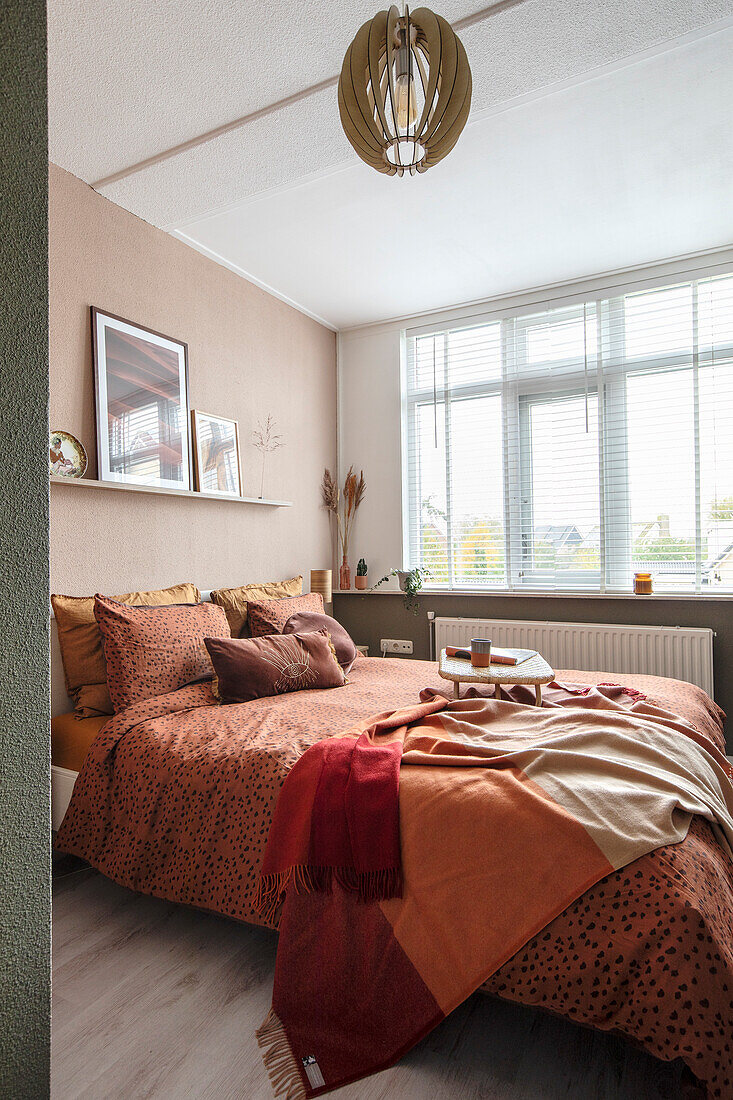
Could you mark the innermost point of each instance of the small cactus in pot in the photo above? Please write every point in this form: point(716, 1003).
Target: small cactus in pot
point(360, 581)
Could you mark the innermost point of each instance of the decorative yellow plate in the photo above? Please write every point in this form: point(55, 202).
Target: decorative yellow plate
point(67, 456)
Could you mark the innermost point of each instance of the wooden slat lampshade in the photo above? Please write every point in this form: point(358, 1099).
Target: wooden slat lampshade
point(322, 581)
point(405, 91)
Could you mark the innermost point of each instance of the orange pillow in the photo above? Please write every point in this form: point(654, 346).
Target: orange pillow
point(235, 600)
point(270, 616)
point(153, 650)
point(80, 642)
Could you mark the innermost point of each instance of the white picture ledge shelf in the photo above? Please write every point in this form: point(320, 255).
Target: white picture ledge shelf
point(118, 486)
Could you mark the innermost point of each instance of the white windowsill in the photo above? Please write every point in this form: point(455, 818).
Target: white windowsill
point(535, 593)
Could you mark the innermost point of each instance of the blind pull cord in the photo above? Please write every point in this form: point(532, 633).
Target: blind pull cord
point(435, 401)
point(585, 362)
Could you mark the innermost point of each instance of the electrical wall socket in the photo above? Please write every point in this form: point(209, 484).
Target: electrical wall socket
point(396, 645)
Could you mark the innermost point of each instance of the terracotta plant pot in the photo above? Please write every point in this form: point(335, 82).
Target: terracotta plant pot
point(360, 582)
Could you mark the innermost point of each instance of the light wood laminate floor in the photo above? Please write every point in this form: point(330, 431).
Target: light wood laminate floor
point(154, 1000)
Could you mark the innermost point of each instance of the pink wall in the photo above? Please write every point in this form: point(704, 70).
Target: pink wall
point(249, 355)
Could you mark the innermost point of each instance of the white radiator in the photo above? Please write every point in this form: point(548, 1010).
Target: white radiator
point(684, 653)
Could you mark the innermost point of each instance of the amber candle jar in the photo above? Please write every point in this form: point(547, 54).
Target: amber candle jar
point(643, 584)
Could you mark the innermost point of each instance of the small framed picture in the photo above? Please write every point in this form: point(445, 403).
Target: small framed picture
point(216, 451)
point(141, 382)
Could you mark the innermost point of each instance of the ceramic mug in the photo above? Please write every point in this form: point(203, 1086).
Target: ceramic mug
point(480, 652)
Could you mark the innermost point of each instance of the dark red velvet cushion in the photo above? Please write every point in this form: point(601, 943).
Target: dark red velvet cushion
point(252, 668)
point(303, 621)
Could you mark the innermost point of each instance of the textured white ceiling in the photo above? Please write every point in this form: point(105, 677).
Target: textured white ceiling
point(628, 168)
point(130, 78)
point(128, 81)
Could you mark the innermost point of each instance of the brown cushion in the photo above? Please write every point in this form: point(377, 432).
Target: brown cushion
point(153, 650)
point(270, 616)
point(81, 643)
point(303, 621)
point(235, 600)
point(251, 668)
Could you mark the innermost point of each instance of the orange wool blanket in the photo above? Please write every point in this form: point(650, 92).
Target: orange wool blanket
point(508, 813)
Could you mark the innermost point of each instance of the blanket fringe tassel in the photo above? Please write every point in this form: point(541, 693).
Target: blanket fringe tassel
point(281, 1066)
point(369, 885)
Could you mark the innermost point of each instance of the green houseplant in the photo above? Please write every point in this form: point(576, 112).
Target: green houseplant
point(410, 581)
point(360, 581)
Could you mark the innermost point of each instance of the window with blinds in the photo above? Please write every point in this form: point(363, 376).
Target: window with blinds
point(571, 448)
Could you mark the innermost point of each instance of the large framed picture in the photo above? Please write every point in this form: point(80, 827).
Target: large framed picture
point(216, 454)
point(141, 382)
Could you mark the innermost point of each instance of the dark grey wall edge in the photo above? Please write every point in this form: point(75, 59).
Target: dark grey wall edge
point(25, 982)
point(369, 618)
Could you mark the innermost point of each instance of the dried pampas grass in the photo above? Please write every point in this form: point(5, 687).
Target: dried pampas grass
point(353, 494)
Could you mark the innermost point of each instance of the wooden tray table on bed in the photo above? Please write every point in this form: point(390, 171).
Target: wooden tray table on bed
point(535, 670)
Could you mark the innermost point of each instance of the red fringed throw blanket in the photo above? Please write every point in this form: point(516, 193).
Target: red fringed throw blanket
point(338, 818)
point(507, 814)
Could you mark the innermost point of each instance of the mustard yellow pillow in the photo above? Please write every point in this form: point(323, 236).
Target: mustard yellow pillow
point(81, 643)
point(235, 600)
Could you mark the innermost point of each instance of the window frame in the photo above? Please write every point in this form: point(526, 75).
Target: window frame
point(527, 574)
point(535, 382)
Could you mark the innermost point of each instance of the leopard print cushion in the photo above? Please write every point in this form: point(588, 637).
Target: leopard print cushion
point(270, 616)
point(154, 650)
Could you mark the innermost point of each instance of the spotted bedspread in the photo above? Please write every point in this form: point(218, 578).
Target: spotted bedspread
point(176, 798)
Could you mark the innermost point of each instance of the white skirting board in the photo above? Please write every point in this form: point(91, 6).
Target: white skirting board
point(62, 784)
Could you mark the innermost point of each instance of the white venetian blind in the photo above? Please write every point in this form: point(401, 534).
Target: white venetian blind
point(572, 447)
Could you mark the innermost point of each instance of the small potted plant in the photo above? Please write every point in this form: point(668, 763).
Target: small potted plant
point(410, 582)
point(360, 581)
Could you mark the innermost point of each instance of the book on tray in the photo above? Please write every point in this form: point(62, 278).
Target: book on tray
point(498, 656)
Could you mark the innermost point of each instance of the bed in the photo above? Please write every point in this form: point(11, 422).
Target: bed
point(176, 796)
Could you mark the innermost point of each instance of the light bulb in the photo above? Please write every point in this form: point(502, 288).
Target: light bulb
point(406, 103)
point(406, 100)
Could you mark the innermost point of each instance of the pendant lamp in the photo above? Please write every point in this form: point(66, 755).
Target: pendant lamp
point(405, 91)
